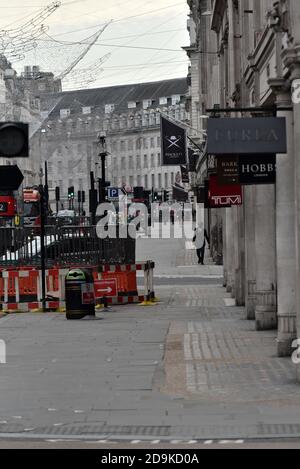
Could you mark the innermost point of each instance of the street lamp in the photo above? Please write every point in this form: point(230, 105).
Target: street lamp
point(103, 155)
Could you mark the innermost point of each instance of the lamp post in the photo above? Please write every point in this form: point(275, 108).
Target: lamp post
point(103, 155)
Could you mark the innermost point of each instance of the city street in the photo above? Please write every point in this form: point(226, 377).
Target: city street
point(190, 370)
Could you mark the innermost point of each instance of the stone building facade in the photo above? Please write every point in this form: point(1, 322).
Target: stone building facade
point(129, 116)
point(19, 103)
point(254, 61)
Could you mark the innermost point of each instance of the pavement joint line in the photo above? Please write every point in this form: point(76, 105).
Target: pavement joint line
point(121, 438)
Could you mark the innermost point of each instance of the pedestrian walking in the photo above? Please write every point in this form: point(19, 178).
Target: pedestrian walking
point(200, 239)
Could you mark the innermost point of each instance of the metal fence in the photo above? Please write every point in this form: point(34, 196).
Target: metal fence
point(64, 246)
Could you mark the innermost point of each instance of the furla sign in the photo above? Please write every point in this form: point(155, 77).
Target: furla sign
point(245, 136)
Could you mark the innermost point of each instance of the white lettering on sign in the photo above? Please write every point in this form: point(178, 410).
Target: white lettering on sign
point(227, 200)
point(258, 168)
point(247, 135)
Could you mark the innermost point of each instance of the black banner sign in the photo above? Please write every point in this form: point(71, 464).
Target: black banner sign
point(184, 174)
point(193, 157)
point(174, 144)
point(257, 169)
point(228, 170)
point(242, 136)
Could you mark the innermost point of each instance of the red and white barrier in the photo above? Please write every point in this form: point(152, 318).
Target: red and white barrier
point(55, 287)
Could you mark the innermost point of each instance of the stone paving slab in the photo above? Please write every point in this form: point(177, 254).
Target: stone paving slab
point(171, 370)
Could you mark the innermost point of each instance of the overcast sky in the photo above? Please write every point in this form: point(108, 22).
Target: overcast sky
point(144, 39)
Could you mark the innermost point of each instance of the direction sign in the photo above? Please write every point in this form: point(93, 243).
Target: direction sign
point(10, 178)
point(106, 288)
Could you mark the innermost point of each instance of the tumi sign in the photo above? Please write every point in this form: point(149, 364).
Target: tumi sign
point(244, 136)
point(223, 196)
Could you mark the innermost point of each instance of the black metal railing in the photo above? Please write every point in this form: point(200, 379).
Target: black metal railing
point(64, 246)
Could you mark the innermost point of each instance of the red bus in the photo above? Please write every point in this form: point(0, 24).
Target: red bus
point(32, 216)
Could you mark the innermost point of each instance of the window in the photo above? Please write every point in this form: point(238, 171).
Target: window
point(153, 181)
point(175, 99)
point(145, 143)
point(130, 145)
point(166, 180)
point(172, 178)
point(65, 113)
point(163, 101)
point(138, 144)
point(158, 159)
point(138, 162)
point(147, 103)
point(152, 142)
point(86, 110)
point(109, 108)
point(145, 161)
point(130, 162)
point(139, 180)
point(123, 163)
point(131, 181)
point(131, 105)
point(159, 182)
point(146, 181)
point(80, 184)
point(152, 161)
point(122, 143)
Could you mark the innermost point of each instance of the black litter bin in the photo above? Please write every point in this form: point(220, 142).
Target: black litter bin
point(80, 301)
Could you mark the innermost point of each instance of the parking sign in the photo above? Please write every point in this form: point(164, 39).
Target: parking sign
point(113, 193)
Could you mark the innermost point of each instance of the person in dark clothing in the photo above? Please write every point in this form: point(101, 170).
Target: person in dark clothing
point(200, 239)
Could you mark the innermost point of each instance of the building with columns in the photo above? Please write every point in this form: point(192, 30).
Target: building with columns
point(129, 116)
point(250, 51)
point(20, 103)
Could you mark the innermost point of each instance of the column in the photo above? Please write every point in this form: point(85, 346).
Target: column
point(285, 236)
point(229, 251)
point(265, 310)
point(296, 85)
point(250, 253)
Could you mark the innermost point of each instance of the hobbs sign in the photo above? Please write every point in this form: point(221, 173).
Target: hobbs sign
point(257, 169)
point(242, 136)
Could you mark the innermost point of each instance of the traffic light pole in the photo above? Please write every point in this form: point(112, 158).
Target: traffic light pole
point(103, 155)
point(43, 260)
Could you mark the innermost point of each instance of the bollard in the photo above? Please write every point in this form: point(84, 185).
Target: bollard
point(80, 298)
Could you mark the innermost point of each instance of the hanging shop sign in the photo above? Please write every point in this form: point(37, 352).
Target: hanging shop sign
point(228, 170)
point(184, 175)
point(179, 194)
point(257, 169)
point(223, 196)
point(240, 136)
point(192, 163)
point(211, 164)
point(174, 143)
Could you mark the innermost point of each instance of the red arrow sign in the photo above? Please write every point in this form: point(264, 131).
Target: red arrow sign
point(106, 288)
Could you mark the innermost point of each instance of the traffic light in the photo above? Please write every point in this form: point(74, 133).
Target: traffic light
point(71, 192)
point(14, 139)
point(57, 194)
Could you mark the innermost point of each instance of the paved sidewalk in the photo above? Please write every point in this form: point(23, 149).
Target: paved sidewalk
point(188, 368)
